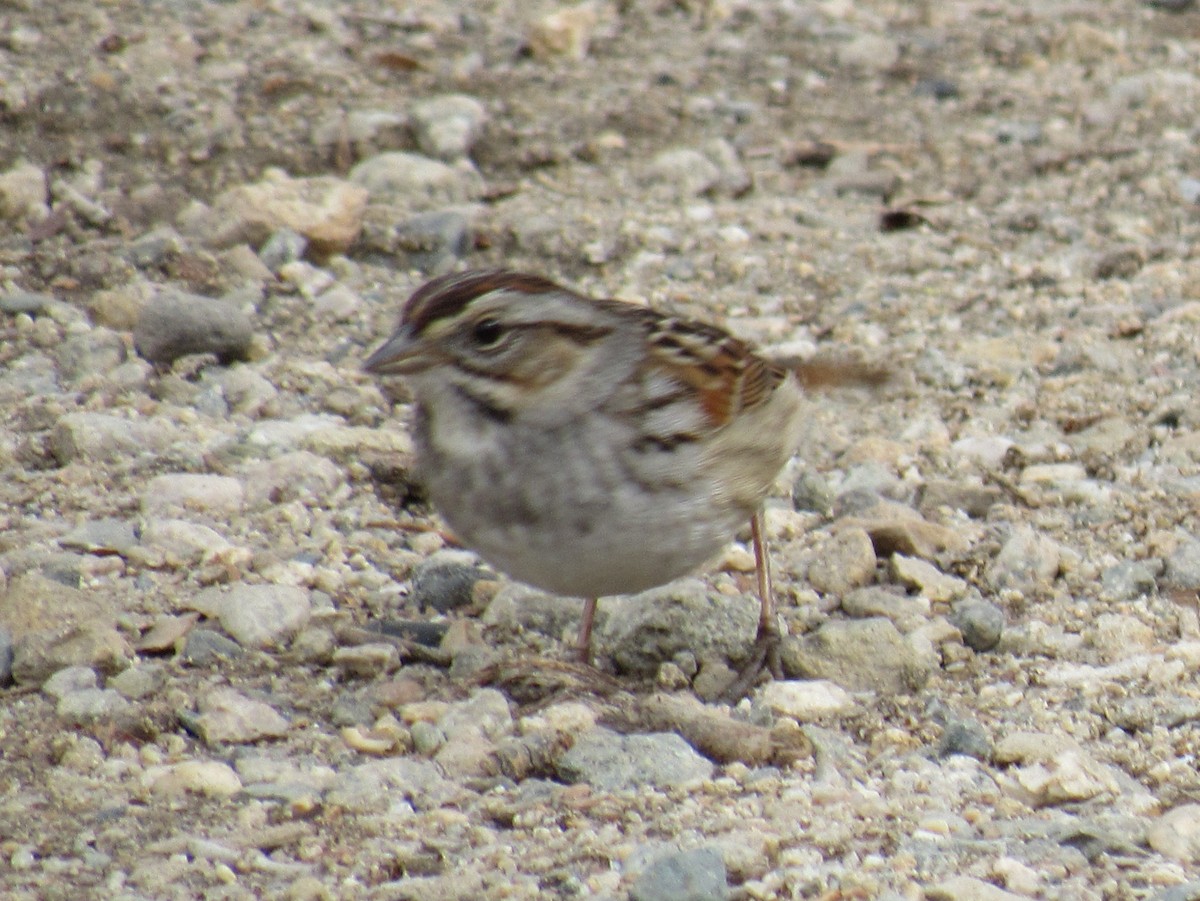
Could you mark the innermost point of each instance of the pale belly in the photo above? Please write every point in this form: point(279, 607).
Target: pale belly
point(566, 517)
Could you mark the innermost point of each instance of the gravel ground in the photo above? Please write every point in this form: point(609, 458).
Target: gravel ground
point(238, 658)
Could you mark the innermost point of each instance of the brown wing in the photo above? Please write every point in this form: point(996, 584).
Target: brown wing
point(725, 373)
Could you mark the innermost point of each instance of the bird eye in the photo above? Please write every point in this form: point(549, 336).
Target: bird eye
point(487, 333)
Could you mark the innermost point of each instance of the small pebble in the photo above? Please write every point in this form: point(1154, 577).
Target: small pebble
point(695, 875)
point(176, 324)
point(610, 762)
point(980, 622)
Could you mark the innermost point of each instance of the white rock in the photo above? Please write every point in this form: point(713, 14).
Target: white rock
point(296, 475)
point(257, 616)
point(182, 540)
point(1053, 474)
point(686, 172)
point(986, 449)
point(185, 491)
point(1022, 879)
point(416, 182)
point(101, 437)
point(564, 33)
point(486, 710)
point(966, 888)
point(927, 578)
point(806, 701)
point(69, 679)
point(227, 715)
point(447, 127)
point(23, 193)
point(1118, 636)
point(1070, 776)
point(328, 211)
point(1176, 834)
point(205, 777)
point(273, 435)
point(1027, 561)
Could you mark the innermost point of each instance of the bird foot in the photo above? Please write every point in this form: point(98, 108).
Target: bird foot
point(764, 659)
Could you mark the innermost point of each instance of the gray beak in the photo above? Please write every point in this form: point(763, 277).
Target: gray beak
point(401, 354)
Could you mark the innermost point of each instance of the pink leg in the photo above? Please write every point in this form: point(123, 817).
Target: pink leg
point(583, 644)
point(766, 643)
point(767, 624)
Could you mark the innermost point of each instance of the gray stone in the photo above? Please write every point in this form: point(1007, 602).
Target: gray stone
point(65, 568)
point(933, 584)
point(1182, 568)
point(411, 181)
point(245, 389)
point(194, 492)
point(980, 622)
point(27, 302)
point(972, 498)
point(101, 437)
point(811, 493)
point(283, 247)
point(695, 875)
point(101, 536)
point(382, 784)
point(427, 738)
point(432, 241)
point(366, 660)
point(1019, 132)
point(37, 655)
point(845, 561)
point(1027, 561)
point(257, 616)
point(870, 477)
point(859, 655)
point(298, 475)
point(204, 646)
point(31, 375)
point(642, 631)
point(154, 248)
point(227, 716)
point(1187, 891)
point(90, 354)
point(905, 611)
point(1189, 188)
point(608, 761)
point(178, 542)
point(517, 607)
point(175, 324)
point(967, 737)
point(445, 580)
point(486, 711)
point(1176, 834)
point(806, 700)
point(69, 679)
point(138, 681)
point(1117, 636)
point(1130, 579)
point(23, 193)
point(90, 705)
point(967, 888)
point(869, 52)
point(447, 127)
point(684, 171)
point(6, 655)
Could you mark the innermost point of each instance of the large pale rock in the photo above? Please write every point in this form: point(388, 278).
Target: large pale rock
point(328, 211)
